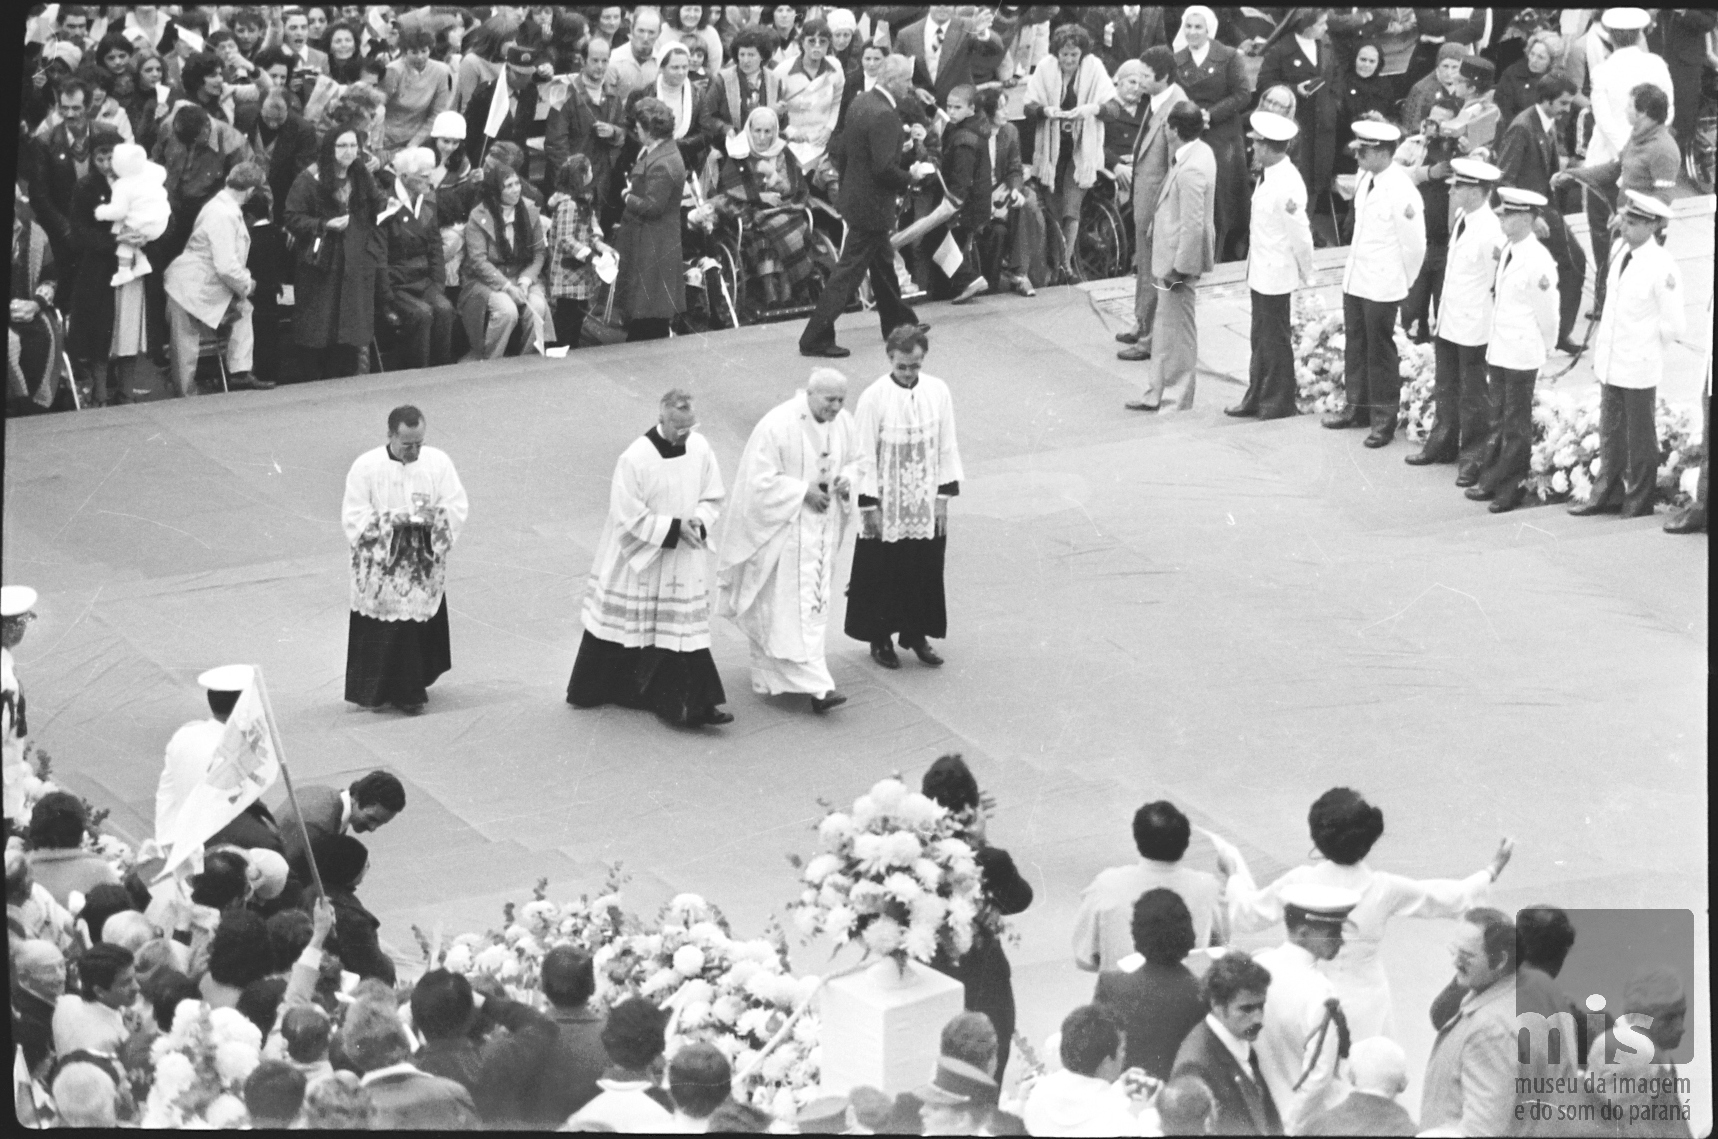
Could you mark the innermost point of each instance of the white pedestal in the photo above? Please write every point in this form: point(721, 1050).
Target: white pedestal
point(883, 1030)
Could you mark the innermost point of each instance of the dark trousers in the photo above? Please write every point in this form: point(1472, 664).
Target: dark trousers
point(1462, 412)
point(1572, 267)
point(970, 269)
point(647, 328)
point(570, 319)
point(1513, 451)
point(426, 329)
point(1371, 370)
point(334, 361)
point(1599, 233)
point(1270, 372)
point(865, 251)
point(1426, 293)
point(1628, 449)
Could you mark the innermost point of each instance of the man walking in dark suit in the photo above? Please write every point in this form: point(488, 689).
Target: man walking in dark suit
point(1528, 157)
point(369, 803)
point(944, 49)
point(1219, 1050)
point(872, 178)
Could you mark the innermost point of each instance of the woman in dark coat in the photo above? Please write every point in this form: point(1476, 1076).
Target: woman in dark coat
point(1515, 85)
point(1213, 76)
point(331, 215)
point(1364, 93)
point(984, 970)
point(342, 861)
point(651, 288)
point(1318, 102)
point(90, 305)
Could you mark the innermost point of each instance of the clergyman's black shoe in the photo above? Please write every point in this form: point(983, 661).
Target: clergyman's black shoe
point(1241, 412)
point(1352, 417)
point(1466, 478)
point(715, 718)
point(1379, 439)
point(1423, 458)
point(1587, 508)
point(824, 703)
point(827, 351)
point(926, 654)
point(1478, 493)
point(883, 652)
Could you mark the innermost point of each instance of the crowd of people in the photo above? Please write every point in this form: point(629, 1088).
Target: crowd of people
point(321, 191)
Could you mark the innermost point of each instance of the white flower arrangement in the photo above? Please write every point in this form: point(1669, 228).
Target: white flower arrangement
point(895, 877)
point(200, 1067)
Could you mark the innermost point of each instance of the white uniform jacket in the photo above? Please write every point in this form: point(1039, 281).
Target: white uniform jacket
point(1389, 242)
point(1279, 258)
point(1643, 314)
point(1476, 246)
point(1524, 307)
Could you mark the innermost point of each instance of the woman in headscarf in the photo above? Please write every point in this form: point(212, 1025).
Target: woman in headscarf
point(1123, 115)
point(811, 89)
point(1067, 89)
point(674, 90)
point(745, 83)
point(1366, 92)
point(1214, 77)
point(651, 289)
point(767, 190)
point(501, 279)
point(331, 214)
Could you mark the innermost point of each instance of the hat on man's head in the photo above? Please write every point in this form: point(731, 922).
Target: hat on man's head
point(824, 1115)
point(1448, 50)
point(523, 55)
point(449, 124)
point(1273, 127)
point(1478, 68)
point(1473, 172)
point(1625, 19)
point(956, 1082)
point(1514, 198)
point(266, 872)
point(1367, 132)
point(16, 600)
point(1328, 905)
point(1645, 206)
point(228, 678)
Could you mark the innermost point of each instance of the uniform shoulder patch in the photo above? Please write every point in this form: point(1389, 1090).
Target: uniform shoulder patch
point(1289, 207)
point(1408, 211)
point(1670, 282)
point(1544, 283)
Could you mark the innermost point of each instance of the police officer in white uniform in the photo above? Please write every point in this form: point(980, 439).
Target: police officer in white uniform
point(17, 610)
point(1643, 315)
point(1304, 1030)
point(1629, 64)
point(1523, 331)
point(1279, 261)
point(192, 747)
point(1384, 258)
point(1464, 415)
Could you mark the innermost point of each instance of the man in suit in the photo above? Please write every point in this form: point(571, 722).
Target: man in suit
point(369, 803)
point(284, 144)
point(577, 1058)
point(520, 122)
point(1150, 166)
point(1528, 157)
point(944, 50)
point(868, 159)
point(1183, 249)
point(1379, 1071)
point(1219, 1051)
point(1123, 32)
point(406, 1097)
point(1470, 1077)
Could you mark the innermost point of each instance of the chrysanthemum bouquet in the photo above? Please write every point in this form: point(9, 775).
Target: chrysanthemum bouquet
point(895, 876)
point(201, 1067)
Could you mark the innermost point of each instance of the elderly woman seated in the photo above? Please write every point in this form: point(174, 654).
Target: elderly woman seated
point(501, 279)
point(416, 274)
point(766, 190)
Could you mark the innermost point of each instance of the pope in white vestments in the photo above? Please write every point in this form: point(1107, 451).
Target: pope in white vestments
point(780, 535)
point(404, 509)
point(647, 607)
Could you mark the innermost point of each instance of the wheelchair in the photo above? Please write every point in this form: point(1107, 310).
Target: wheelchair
point(1104, 245)
point(724, 291)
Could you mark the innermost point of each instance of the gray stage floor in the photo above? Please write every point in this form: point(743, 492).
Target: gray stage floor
point(1230, 614)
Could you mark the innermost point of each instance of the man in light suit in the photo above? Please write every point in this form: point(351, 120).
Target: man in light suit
point(1183, 250)
point(1150, 166)
point(944, 49)
point(369, 803)
point(1470, 1077)
point(1219, 1050)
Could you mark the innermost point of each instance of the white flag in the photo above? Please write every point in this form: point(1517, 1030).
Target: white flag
point(497, 107)
point(948, 256)
point(246, 764)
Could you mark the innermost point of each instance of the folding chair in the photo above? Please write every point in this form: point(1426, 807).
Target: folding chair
point(214, 344)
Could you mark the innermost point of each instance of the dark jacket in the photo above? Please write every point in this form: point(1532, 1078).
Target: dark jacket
point(652, 282)
point(32, 1026)
point(1514, 92)
point(869, 162)
point(1362, 1113)
point(415, 258)
point(572, 130)
point(409, 1100)
point(1319, 115)
point(1242, 1102)
point(354, 939)
point(322, 810)
point(1129, 38)
point(985, 971)
point(1527, 155)
point(967, 173)
point(334, 290)
point(728, 102)
point(502, 1072)
point(60, 167)
point(293, 151)
point(253, 828)
point(1008, 170)
point(90, 304)
point(693, 147)
point(962, 53)
point(519, 125)
point(575, 1060)
point(1157, 1006)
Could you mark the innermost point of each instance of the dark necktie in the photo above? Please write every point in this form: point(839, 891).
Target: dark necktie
point(1253, 1064)
point(1624, 267)
point(1461, 228)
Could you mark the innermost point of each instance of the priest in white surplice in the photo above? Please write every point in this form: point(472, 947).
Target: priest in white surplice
point(404, 509)
point(647, 606)
point(781, 532)
point(909, 467)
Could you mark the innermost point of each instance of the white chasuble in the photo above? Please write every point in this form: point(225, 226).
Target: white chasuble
point(399, 572)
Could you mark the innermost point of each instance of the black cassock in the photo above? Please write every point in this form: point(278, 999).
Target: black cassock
point(897, 587)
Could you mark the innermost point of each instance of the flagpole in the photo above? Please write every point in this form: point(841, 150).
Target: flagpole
point(286, 774)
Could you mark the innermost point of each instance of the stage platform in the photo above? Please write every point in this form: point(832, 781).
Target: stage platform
point(1233, 615)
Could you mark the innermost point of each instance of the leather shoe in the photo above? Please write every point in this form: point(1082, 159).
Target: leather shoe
point(1240, 412)
point(1589, 508)
point(828, 351)
point(884, 654)
point(1138, 405)
point(1337, 420)
point(825, 703)
point(410, 709)
point(1127, 338)
point(1379, 439)
point(1569, 348)
point(1134, 352)
point(1505, 505)
point(715, 718)
point(1690, 521)
point(1477, 493)
point(1424, 458)
point(1466, 478)
point(926, 654)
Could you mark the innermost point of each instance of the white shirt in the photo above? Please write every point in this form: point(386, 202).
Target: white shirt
point(1103, 927)
point(1241, 1050)
point(1294, 1009)
point(1612, 81)
point(1308, 48)
point(1476, 246)
point(11, 740)
point(1389, 243)
point(1279, 257)
point(1644, 313)
point(1524, 311)
point(933, 49)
